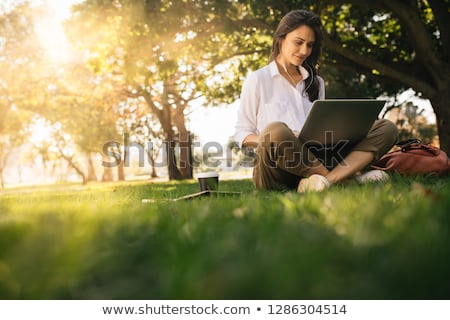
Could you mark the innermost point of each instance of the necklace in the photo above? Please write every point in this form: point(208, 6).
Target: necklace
point(291, 79)
point(294, 83)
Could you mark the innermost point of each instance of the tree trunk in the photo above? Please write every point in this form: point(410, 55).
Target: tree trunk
point(121, 171)
point(74, 166)
point(441, 107)
point(174, 173)
point(91, 176)
point(185, 143)
point(107, 175)
point(164, 116)
point(3, 160)
point(152, 163)
point(120, 160)
point(2, 182)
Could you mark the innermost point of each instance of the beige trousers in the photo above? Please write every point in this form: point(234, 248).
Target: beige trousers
point(282, 160)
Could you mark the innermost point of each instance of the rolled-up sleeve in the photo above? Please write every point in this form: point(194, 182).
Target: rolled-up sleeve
point(321, 88)
point(247, 114)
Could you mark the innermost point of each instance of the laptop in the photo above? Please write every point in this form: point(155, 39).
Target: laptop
point(333, 127)
point(336, 121)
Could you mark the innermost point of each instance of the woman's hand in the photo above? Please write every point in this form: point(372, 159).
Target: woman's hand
point(251, 141)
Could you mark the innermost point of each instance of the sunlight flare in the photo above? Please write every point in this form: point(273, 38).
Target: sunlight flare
point(50, 31)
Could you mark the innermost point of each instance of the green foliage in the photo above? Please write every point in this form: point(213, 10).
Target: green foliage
point(170, 53)
point(19, 50)
point(101, 242)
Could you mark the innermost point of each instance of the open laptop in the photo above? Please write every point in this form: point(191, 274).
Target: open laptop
point(333, 127)
point(334, 121)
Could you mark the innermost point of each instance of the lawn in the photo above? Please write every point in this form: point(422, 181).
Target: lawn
point(375, 241)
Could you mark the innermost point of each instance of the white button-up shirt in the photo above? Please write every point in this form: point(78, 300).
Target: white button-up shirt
point(267, 97)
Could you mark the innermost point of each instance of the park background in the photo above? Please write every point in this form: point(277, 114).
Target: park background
point(83, 79)
point(72, 226)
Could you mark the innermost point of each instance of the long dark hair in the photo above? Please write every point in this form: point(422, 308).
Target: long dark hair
point(289, 23)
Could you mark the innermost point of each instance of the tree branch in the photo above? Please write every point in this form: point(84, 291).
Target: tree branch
point(385, 69)
point(442, 16)
point(361, 3)
point(148, 98)
point(219, 60)
point(419, 36)
point(415, 29)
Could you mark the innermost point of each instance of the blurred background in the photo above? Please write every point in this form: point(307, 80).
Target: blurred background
point(108, 90)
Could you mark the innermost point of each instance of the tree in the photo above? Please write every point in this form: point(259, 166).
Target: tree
point(171, 52)
point(57, 145)
point(12, 137)
point(84, 104)
point(142, 130)
point(412, 123)
point(372, 48)
point(147, 60)
point(19, 49)
point(399, 43)
point(68, 95)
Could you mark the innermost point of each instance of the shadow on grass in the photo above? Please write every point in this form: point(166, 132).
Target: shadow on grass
point(357, 242)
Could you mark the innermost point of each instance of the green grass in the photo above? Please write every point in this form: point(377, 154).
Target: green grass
point(379, 241)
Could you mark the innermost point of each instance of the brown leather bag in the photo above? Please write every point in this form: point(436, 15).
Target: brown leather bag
point(412, 157)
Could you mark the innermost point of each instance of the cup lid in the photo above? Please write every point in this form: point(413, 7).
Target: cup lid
point(212, 174)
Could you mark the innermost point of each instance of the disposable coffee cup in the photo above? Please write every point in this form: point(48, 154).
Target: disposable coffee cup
point(208, 181)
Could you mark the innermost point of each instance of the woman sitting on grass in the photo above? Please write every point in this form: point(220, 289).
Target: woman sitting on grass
point(275, 102)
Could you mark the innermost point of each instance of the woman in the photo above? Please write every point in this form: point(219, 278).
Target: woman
point(275, 102)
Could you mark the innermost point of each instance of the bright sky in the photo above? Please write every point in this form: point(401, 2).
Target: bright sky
point(51, 32)
point(214, 123)
point(61, 7)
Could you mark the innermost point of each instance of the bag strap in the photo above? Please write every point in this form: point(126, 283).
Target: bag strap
point(407, 143)
point(415, 143)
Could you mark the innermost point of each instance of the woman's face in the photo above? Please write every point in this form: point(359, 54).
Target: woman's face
point(297, 45)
